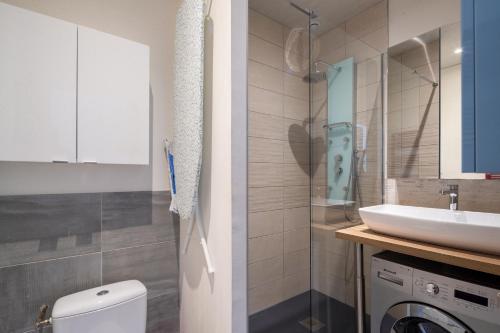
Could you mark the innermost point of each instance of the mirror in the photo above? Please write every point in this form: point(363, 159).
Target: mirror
point(424, 106)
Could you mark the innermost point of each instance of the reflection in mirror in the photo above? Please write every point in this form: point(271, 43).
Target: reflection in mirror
point(424, 107)
point(451, 124)
point(413, 108)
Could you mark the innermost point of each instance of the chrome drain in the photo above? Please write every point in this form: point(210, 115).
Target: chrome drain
point(312, 324)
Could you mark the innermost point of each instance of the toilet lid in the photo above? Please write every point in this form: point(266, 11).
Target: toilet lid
point(98, 298)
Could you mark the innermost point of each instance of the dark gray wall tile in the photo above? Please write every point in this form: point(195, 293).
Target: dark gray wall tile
point(154, 265)
point(136, 218)
point(24, 288)
point(41, 227)
point(163, 314)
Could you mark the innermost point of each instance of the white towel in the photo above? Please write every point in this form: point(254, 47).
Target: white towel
point(188, 104)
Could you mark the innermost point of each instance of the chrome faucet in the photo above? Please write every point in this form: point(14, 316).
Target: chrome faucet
point(452, 192)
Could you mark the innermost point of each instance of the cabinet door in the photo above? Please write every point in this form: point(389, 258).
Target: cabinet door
point(37, 87)
point(487, 84)
point(468, 83)
point(113, 99)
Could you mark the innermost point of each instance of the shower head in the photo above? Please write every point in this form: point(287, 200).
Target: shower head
point(317, 75)
point(314, 77)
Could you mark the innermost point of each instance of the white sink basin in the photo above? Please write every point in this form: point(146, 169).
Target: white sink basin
point(465, 230)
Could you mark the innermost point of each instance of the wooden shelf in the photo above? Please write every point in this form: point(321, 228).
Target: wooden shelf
point(473, 260)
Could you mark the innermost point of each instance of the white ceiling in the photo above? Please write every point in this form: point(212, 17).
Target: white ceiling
point(330, 12)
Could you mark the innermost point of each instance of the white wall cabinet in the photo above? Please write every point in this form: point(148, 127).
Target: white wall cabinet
point(69, 93)
point(37, 87)
point(113, 99)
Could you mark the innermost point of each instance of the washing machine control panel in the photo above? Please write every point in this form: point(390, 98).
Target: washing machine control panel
point(467, 298)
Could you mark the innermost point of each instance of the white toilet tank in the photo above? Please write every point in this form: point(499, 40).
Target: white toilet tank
point(114, 308)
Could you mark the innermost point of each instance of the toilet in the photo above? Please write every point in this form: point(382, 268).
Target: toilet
point(113, 308)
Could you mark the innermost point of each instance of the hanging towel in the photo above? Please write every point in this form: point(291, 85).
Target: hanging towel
point(188, 104)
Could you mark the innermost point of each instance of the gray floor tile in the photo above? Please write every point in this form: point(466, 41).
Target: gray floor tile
point(41, 227)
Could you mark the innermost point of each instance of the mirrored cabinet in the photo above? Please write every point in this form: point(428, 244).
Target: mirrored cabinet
point(70, 94)
point(480, 85)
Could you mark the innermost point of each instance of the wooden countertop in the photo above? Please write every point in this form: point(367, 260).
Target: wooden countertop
point(473, 260)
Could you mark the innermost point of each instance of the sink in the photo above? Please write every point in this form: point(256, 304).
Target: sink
point(460, 229)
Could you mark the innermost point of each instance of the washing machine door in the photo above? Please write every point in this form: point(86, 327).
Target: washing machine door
point(420, 318)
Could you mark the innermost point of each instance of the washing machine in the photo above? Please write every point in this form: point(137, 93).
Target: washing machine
point(412, 295)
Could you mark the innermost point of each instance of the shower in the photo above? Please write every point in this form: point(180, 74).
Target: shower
point(317, 121)
point(317, 75)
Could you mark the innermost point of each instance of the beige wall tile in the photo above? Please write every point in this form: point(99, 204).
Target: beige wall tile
point(410, 98)
point(296, 284)
point(265, 295)
point(297, 261)
point(265, 28)
point(265, 126)
point(410, 118)
point(294, 86)
point(265, 52)
point(297, 239)
point(295, 174)
point(369, 97)
point(295, 108)
point(395, 101)
point(378, 39)
point(265, 198)
point(329, 263)
point(265, 174)
point(296, 196)
point(361, 51)
point(367, 21)
point(410, 82)
point(394, 84)
point(296, 152)
point(265, 150)
point(296, 218)
point(265, 223)
point(264, 271)
point(331, 286)
point(265, 247)
point(265, 77)
point(295, 130)
point(334, 55)
point(332, 40)
point(324, 240)
point(368, 72)
point(427, 96)
point(265, 101)
point(432, 117)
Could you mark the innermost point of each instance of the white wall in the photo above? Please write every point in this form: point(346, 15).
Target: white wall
point(217, 303)
point(151, 23)
point(410, 18)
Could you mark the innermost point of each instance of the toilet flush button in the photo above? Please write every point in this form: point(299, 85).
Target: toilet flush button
point(102, 292)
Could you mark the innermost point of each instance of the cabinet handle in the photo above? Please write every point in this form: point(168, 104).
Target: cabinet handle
point(89, 162)
point(60, 161)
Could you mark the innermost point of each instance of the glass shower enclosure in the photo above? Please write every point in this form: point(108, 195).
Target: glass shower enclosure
point(325, 95)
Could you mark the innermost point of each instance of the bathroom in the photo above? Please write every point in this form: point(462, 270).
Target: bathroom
point(249, 166)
